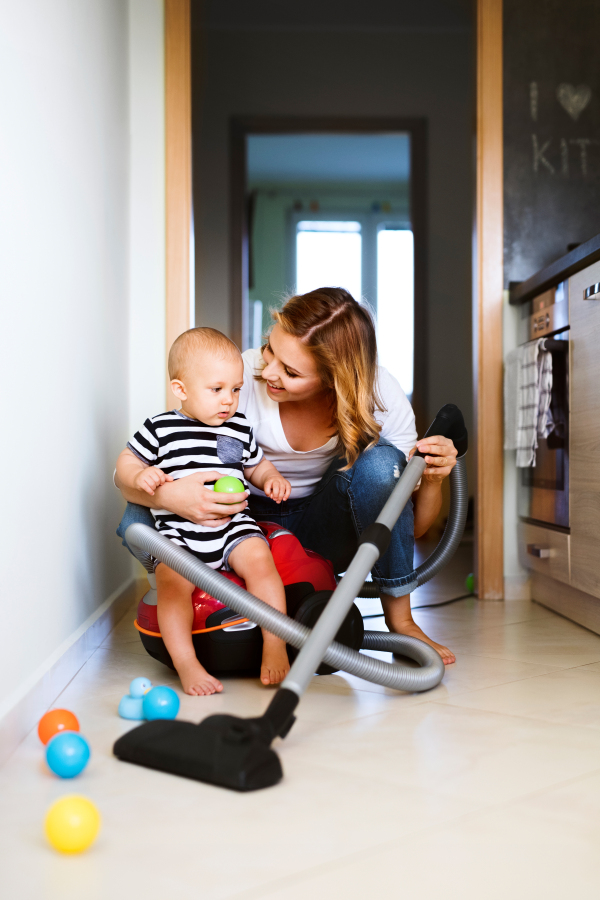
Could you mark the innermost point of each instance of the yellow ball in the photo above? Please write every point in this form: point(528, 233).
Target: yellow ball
point(72, 823)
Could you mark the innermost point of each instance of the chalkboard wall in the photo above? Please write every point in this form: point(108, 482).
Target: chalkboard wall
point(551, 130)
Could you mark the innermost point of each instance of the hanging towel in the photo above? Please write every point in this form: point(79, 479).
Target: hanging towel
point(530, 400)
point(545, 419)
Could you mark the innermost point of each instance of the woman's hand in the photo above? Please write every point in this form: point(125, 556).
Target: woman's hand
point(440, 456)
point(189, 498)
point(186, 497)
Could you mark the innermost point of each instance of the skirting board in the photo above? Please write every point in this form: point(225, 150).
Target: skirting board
point(21, 711)
point(517, 587)
point(566, 600)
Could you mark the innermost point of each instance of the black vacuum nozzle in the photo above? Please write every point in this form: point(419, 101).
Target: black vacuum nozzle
point(449, 423)
point(225, 750)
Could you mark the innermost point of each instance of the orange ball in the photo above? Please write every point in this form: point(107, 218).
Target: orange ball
point(54, 722)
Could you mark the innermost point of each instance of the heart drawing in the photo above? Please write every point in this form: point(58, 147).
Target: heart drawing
point(574, 99)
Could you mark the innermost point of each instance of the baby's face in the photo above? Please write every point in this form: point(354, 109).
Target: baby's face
point(211, 389)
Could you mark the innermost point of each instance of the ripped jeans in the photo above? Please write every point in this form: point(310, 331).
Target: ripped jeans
point(332, 518)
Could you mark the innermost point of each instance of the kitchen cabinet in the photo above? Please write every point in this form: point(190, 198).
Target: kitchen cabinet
point(584, 494)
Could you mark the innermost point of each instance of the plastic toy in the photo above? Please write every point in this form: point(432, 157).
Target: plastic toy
point(229, 485)
point(139, 687)
point(72, 824)
point(131, 705)
point(160, 703)
point(67, 754)
point(54, 721)
point(470, 583)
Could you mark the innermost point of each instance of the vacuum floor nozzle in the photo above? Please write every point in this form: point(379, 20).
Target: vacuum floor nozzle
point(224, 750)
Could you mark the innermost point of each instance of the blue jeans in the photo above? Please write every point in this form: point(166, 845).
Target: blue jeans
point(331, 519)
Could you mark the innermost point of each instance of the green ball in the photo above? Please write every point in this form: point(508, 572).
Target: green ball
point(229, 485)
point(470, 583)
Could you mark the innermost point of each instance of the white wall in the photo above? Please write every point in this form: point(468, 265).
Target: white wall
point(147, 301)
point(65, 281)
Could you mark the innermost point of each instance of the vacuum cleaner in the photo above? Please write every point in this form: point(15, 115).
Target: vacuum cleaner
point(226, 643)
point(235, 752)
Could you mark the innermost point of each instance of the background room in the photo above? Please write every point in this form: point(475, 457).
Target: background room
point(364, 140)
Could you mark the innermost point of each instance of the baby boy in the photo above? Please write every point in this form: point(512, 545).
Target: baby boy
point(208, 433)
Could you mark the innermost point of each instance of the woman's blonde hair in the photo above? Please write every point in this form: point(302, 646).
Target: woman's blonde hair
point(340, 335)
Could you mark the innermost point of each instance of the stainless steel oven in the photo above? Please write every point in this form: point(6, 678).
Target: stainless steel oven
point(544, 488)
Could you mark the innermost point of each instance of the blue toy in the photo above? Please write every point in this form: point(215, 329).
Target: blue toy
point(67, 754)
point(160, 703)
point(139, 687)
point(131, 705)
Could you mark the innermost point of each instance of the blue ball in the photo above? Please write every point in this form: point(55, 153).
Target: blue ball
point(160, 703)
point(139, 687)
point(67, 754)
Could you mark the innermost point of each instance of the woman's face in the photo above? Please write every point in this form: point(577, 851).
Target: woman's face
point(290, 371)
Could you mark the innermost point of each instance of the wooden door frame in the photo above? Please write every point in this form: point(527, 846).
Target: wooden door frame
point(178, 172)
point(242, 126)
point(487, 305)
point(488, 255)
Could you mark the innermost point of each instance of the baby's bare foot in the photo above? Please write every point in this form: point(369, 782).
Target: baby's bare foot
point(411, 629)
point(196, 681)
point(275, 663)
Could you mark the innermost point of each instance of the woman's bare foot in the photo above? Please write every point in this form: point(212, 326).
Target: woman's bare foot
point(196, 681)
point(399, 620)
point(412, 630)
point(275, 663)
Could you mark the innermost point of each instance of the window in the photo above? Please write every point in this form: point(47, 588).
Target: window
point(373, 259)
point(395, 302)
point(328, 254)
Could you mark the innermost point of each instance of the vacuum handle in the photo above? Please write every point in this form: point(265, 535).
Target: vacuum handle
point(450, 423)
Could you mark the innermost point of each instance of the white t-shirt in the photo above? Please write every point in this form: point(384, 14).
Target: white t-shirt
point(304, 468)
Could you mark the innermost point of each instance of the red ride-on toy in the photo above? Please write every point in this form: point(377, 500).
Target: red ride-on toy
point(225, 642)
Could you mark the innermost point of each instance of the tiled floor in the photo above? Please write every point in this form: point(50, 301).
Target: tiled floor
point(486, 787)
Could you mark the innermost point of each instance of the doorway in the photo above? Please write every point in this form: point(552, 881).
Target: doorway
point(342, 203)
point(265, 69)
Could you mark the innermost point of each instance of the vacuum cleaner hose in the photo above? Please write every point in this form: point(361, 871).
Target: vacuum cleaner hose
point(455, 525)
point(451, 538)
point(392, 675)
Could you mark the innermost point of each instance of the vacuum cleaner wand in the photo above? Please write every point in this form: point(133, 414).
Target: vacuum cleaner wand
point(373, 543)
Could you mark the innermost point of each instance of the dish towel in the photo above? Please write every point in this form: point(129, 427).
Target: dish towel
point(527, 395)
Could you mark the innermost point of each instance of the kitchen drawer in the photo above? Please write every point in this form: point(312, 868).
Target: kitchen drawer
point(545, 551)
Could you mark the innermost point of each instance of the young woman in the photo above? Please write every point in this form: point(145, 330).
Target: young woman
point(340, 429)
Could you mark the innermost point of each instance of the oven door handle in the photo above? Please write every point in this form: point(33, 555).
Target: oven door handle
point(554, 345)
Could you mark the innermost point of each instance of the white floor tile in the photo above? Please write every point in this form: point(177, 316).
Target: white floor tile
point(568, 696)
point(487, 786)
point(544, 846)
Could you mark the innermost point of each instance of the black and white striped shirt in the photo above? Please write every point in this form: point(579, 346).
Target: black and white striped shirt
point(181, 446)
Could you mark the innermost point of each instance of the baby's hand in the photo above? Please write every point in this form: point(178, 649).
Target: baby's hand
point(277, 488)
point(151, 478)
